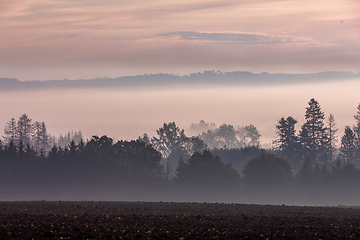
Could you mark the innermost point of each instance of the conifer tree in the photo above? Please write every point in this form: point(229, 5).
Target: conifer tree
point(11, 132)
point(36, 137)
point(313, 136)
point(357, 133)
point(332, 138)
point(348, 147)
point(40, 137)
point(287, 142)
point(24, 128)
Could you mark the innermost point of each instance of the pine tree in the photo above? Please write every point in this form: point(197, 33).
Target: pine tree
point(313, 135)
point(45, 137)
point(24, 128)
point(11, 132)
point(348, 147)
point(332, 138)
point(36, 137)
point(357, 133)
point(40, 137)
point(287, 142)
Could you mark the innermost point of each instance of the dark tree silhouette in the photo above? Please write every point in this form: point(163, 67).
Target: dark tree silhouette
point(306, 173)
point(287, 142)
point(357, 133)
point(174, 145)
point(169, 137)
point(139, 163)
point(348, 147)
point(10, 132)
point(144, 138)
point(24, 128)
point(313, 133)
point(268, 177)
point(40, 137)
point(206, 174)
point(238, 157)
point(312, 183)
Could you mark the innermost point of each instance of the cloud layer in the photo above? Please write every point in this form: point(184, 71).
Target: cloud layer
point(77, 39)
point(240, 38)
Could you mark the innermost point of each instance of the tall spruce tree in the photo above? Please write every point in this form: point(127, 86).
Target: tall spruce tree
point(40, 137)
point(36, 137)
point(348, 147)
point(357, 133)
point(24, 128)
point(332, 138)
point(313, 136)
point(287, 142)
point(11, 132)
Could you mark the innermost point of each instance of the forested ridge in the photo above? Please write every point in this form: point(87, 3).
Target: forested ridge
point(165, 79)
point(225, 163)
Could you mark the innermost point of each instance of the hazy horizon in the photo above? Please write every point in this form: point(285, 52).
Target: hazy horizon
point(126, 113)
point(286, 77)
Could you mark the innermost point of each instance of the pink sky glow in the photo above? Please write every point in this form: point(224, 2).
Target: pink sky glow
point(85, 39)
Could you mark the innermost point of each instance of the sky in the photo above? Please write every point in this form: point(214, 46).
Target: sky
point(57, 39)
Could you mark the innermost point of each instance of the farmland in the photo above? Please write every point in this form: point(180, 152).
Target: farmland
point(160, 220)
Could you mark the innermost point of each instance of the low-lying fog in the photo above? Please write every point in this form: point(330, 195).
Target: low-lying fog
point(128, 113)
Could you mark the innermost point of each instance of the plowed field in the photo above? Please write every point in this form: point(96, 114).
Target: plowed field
point(140, 220)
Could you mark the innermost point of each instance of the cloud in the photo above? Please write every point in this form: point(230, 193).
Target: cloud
point(239, 38)
point(61, 36)
point(189, 6)
point(14, 8)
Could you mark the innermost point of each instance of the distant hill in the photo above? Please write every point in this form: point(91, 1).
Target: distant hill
point(163, 79)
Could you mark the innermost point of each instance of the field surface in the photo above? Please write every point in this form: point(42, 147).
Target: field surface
point(142, 220)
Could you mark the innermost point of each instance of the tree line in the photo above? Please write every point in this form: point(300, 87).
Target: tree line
point(226, 136)
point(170, 161)
point(306, 166)
point(100, 165)
point(317, 139)
point(34, 133)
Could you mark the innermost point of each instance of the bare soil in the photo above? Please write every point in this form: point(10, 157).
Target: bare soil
point(143, 220)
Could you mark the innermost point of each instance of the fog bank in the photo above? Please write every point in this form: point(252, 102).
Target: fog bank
point(128, 113)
